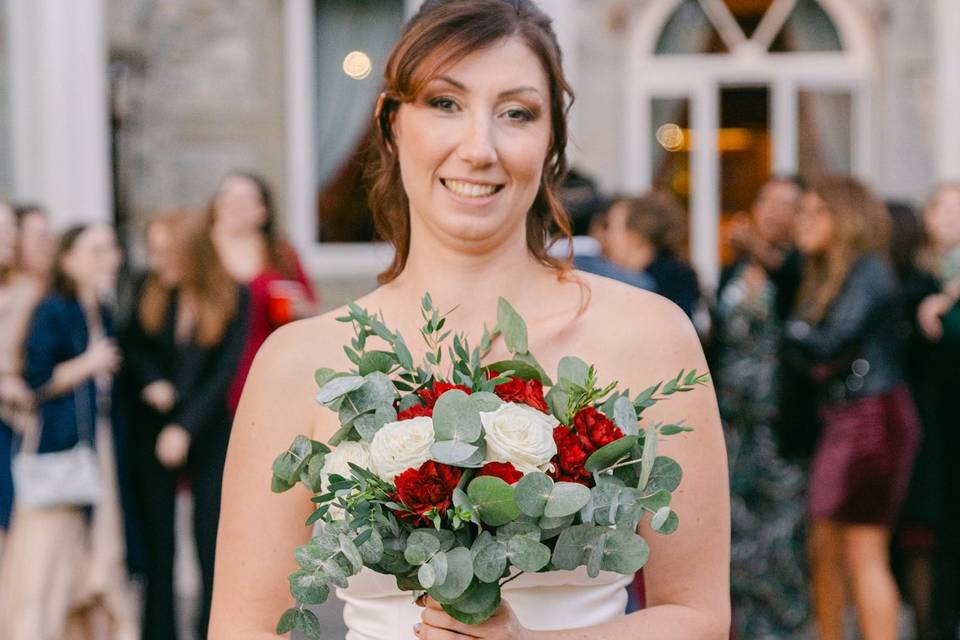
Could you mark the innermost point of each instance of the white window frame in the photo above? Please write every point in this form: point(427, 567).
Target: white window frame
point(699, 77)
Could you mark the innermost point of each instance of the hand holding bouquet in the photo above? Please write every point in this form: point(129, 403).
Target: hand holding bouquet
point(456, 476)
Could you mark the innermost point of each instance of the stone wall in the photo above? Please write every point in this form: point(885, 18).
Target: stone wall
point(199, 89)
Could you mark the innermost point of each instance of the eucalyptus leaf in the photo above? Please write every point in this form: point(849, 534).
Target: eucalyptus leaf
point(660, 518)
point(310, 475)
point(376, 391)
point(309, 624)
point(519, 528)
point(490, 561)
point(665, 475)
point(308, 587)
point(452, 452)
point(670, 525)
point(382, 361)
point(518, 369)
point(532, 492)
point(570, 548)
point(288, 465)
point(426, 575)
point(338, 387)
point(456, 418)
point(566, 498)
point(557, 401)
point(403, 353)
point(573, 369)
point(625, 416)
point(593, 555)
point(649, 455)
point(351, 553)
point(512, 327)
point(609, 454)
point(480, 601)
point(493, 500)
point(485, 401)
point(552, 527)
point(421, 545)
point(372, 548)
point(324, 375)
point(288, 621)
point(439, 565)
point(654, 501)
point(527, 554)
point(334, 572)
point(458, 578)
point(624, 552)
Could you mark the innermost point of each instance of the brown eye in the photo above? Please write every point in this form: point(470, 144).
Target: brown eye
point(443, 104)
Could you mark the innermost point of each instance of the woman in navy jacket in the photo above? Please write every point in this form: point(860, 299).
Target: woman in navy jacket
point(183, 346)
point(65, 563)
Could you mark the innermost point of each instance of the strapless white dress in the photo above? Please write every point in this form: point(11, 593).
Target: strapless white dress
point(374, 609)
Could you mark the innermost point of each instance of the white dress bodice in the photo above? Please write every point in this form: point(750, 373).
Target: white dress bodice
point(374, 609)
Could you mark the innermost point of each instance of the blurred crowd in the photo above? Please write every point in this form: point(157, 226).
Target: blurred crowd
point(110, 404)
point(833, 337)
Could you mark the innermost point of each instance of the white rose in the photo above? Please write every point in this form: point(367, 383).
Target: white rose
point(337, 462)
point(399, 446)
point(520, 435)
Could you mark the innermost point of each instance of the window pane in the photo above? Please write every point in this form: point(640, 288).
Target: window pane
point(672, 144)
point(689, 30)
point(354, 38)
point(808, 28)
point(748, 13)
point(825, 133)
point(743, 143)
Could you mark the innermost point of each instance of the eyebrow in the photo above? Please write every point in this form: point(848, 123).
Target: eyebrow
point(502, 94)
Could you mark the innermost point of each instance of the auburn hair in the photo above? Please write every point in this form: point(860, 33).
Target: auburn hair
point(861, 225)
point(204, 283)
point(442, 33)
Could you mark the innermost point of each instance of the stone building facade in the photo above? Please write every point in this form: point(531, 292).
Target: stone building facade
point(178, 91)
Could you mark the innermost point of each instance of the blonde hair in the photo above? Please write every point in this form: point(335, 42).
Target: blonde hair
point(861, 226)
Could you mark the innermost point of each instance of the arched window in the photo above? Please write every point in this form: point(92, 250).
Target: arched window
point(722, 93)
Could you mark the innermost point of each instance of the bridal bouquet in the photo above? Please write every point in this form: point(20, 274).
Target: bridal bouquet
point(456, 476)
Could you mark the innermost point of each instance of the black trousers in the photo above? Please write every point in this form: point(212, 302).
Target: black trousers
point(156, 488)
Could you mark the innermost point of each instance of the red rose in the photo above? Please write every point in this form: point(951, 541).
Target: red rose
point(591, 430)
point(503, 470)
point(430, 396)
point(529, 392)
point(429, 487)
point(415, 411)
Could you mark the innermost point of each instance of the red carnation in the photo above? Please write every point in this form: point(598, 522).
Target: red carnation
point(427, 488)
point(596, 427)
point(415, 411)
point(431, 395)
point(503, 470)
point(529, 392)
point(591, 430)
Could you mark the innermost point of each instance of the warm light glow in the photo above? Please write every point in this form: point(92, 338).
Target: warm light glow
point(357, 65)
point(670, 136)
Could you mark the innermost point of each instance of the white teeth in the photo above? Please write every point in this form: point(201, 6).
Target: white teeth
point(469, 189)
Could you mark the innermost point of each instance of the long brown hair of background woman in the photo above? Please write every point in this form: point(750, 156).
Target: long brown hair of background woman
point(204, 281)
point(861, 226)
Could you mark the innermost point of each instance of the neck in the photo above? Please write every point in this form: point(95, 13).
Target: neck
point(87, 296)
point(228, 233)
point(470, 281)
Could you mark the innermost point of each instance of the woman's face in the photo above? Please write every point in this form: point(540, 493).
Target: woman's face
point(472, 147)
point(162, 258)
point(942, 218)
point(623, 246)
point(38, 246)
point(238, 205)
point(94, 260)
point(8, 235)
point(815, 224)
point(775, 209)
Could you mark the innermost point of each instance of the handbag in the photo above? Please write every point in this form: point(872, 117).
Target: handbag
point(68, 478)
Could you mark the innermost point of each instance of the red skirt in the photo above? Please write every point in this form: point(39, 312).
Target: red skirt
point(862, 465)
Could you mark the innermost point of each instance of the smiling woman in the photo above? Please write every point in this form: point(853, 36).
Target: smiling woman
point(471, 131)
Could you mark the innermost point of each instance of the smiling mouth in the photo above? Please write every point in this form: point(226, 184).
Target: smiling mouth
point(471, 189)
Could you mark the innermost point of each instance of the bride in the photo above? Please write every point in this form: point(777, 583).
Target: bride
point(472, 130)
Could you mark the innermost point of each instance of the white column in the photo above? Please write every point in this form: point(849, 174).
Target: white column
point(705, 194)
point(59, 107)
point(785, 126)
point(947, 128)
point(565, 25)
point(299, 52)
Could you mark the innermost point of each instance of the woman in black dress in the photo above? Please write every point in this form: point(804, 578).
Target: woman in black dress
point(183, 345)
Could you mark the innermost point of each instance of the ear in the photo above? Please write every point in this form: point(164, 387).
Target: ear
point(390, 125)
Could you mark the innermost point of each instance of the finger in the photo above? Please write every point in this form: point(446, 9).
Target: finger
point(421, 600)
point(430, 603)
point(443, 620)
point(427, 632)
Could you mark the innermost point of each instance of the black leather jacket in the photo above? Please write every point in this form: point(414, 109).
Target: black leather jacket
point(855, 351)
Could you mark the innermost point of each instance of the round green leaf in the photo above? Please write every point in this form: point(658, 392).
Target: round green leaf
point(625, 416)
point(665, 475)
point(485, 402)
point(426, 575)
point(337, 387)
point(660, 518)
point(573, 369)
point(477, 604)
point(532, 492)
point(594, 556)
point(381, 361)
point(490, 561)
point(439, 564)
point(456, 418)
point(566, 498)
point(528, 554)
point(608, 455)
point(670, 525)
point(351, 553)
point(458, 578)
point(512, 326)
point(308, 588)
point(568, 552)
point(372, 548)
point(624, 552)
point(493, 500)
point(452, 452)
point(420, 546)
point(519, 368)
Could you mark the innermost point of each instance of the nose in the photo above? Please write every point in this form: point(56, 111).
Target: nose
point(477, 146)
